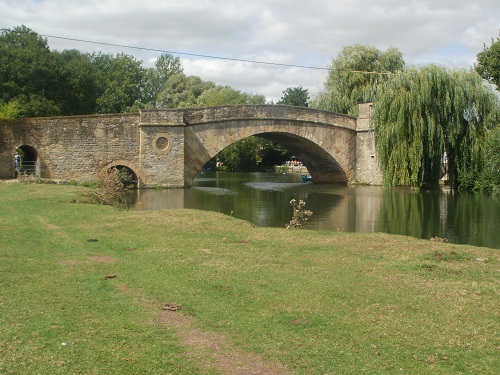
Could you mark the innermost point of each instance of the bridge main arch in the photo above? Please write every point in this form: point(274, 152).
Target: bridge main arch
point(325, 142)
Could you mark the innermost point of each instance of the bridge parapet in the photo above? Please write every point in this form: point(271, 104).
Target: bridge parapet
point(162, 117)
point(194, 116)
point(269, 112)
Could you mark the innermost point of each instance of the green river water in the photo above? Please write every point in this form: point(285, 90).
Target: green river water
point(264, 200)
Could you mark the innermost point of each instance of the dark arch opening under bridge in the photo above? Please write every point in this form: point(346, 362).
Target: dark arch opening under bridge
point(320, 164)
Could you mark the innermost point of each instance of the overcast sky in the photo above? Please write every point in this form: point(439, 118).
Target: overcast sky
point(305, 33)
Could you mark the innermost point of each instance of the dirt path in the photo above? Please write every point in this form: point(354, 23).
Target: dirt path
point(210, 349)
point(223, 356)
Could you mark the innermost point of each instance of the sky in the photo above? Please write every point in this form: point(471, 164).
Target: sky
point(297, 34)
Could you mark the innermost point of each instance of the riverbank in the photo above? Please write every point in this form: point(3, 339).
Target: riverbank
point(95, 289)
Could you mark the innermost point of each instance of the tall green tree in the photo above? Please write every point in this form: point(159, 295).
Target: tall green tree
point(120, 79)
point(488, 63)
point(248, 154)
point(354, 77)
point(490, 176)
point(10, 111)
point(181, 91)
point(225, 95)
point(28, 74)
point(166, 65)
point(77, 82)
point(422, 113)
point(296, 96)
point(271, 153)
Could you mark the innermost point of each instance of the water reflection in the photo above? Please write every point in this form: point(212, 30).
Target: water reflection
point(263, 199)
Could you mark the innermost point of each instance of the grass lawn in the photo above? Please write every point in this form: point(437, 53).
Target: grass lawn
point(88, 289)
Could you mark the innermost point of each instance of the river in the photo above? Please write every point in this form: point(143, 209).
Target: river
point(264, 200)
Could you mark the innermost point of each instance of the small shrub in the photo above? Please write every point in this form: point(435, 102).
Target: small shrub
point(25, 178)
point(300, 215)
point(111, 190)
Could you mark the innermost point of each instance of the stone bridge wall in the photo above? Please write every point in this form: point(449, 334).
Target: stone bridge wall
point(71, 148)
point(168, 147)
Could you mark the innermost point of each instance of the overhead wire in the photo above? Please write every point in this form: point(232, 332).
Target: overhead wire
point(208, 56)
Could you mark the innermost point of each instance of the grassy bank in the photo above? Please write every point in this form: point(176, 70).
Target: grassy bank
point(89, 290)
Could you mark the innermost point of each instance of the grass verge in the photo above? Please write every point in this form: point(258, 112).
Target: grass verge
point(82, 286)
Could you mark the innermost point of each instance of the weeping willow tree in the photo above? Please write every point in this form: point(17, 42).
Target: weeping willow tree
point(421, 114)
point(354, 75)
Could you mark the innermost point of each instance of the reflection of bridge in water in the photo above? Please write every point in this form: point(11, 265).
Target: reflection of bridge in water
point(263, 199)
point(461, 218)
point(169, 147)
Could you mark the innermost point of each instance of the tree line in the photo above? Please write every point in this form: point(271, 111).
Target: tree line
point(36, 81)
point(423, 116)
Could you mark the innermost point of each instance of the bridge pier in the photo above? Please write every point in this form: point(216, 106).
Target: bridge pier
point(162, 148)
point(367, 166)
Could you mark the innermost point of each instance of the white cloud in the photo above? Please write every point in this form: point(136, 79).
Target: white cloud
point(269, 81)
point(448, 32)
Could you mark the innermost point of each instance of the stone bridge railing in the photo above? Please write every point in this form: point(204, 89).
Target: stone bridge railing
point(192, 116)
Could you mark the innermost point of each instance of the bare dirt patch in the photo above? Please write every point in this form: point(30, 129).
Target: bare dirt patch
point(49, 226)
point(210, 349)
point(222, 355)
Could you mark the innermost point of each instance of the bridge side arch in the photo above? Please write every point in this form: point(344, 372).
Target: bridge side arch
point(328, 151)
point(28, 161)
point(137, 175)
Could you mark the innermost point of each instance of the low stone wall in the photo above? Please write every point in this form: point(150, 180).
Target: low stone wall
point(73, 147)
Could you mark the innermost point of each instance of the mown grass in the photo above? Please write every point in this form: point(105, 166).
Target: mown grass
point(318, 302)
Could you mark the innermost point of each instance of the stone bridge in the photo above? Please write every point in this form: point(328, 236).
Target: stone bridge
point(169, 147)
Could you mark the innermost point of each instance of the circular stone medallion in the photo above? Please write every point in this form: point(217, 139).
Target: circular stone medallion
point(162, 143)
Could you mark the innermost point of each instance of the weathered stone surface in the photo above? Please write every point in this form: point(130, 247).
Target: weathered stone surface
point(71, 148)
point(169, 147)
point(367, 166)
